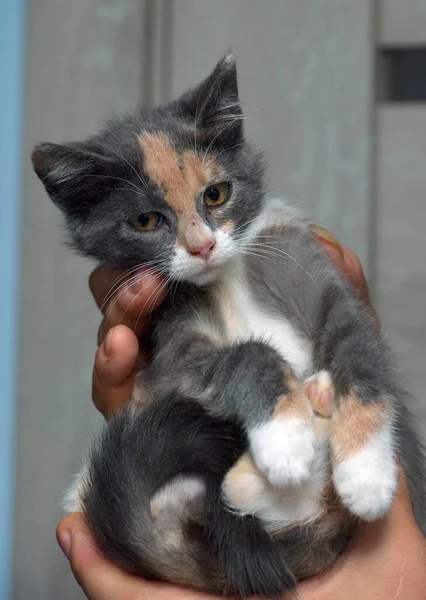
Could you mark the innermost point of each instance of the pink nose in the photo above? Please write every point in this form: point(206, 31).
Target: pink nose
point(204, 251)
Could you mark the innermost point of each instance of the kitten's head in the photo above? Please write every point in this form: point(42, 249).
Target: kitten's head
point(175, 187)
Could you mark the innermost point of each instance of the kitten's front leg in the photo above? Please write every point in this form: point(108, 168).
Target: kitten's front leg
point(250, 382)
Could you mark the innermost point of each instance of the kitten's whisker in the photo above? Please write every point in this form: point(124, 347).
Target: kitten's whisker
point(166, 284)
point(119, 179)
point(260, 225)
point(128, 272)
point(276, 252)
point(115, 283)
point(110, 149)
point(115, 286)
point(231, 105)
point(195, 125)
point(128, 285)
point(218, 154)
point(138, 294)
point(216, 136)
point(247, 223)
point(175, 286)
point(157, 291)
point(119, 189)
point(232, 117)
point(242, 238)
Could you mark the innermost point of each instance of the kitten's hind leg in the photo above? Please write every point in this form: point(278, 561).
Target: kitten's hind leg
point(363, 454)
point(364, 468)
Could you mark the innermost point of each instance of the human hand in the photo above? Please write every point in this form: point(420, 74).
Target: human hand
point(126, 313)
point(347, 261)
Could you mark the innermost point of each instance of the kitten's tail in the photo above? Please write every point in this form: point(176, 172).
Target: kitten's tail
point(151, 497)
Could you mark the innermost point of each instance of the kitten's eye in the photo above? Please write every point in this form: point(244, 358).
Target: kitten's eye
point(216, 194)
point(147, 221)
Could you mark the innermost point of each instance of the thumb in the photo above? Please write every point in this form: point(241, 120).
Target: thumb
point(113, 371)
point(99, 578)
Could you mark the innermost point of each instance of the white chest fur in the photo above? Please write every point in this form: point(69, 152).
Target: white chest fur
point(245, 319)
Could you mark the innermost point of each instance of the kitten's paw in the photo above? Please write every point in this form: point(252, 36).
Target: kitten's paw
point(366, 482)
point(320, 392)
point(283, 449)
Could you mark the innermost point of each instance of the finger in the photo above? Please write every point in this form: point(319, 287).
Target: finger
point(102, 280)
point(99, 579)
point(346, 260)
point(131, 305)
point(379, 553)
point(102, 580)
point(355, 273)
point(356, 276)
point(130, 300)
point(329, 241)
point(113, 372)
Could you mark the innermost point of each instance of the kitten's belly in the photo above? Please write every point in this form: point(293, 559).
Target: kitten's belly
point(244, 319)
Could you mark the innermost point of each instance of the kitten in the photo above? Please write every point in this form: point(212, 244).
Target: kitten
point(220, 473)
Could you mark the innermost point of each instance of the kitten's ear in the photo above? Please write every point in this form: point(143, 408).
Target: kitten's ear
point(215, 104)
point(74, 176)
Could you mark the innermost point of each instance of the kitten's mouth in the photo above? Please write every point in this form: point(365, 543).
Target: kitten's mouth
point(207, 269)
point(210, 267)
point(207, 273)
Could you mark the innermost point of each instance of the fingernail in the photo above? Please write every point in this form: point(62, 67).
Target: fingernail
point(327, 237)
point(64, 541)
point(326, 399)
point(108, 343)
point(311, 391)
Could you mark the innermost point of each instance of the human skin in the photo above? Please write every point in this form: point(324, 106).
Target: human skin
point(387, 558)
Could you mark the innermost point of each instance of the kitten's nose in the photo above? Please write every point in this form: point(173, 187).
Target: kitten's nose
point(204, 251)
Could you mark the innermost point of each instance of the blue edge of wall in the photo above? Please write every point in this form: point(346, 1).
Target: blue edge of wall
point(12, 77)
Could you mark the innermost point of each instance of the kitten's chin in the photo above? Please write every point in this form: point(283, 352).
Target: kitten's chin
point(206, 276)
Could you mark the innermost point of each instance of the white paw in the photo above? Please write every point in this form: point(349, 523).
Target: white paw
point(283, 449)
point(367, 481)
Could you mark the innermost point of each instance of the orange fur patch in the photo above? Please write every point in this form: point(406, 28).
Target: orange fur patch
point(181, 177)
point(355, 423)
point(293, 404)
point(243, 482)
point(228, 226)
point(245, 466)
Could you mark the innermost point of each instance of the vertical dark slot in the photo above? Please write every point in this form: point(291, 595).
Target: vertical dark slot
point(403, 74)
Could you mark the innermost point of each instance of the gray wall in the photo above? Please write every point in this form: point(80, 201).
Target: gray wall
point(400, 206)
point(85, 61)
point(306, 78)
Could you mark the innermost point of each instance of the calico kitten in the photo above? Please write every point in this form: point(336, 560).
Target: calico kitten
point(223, 475)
